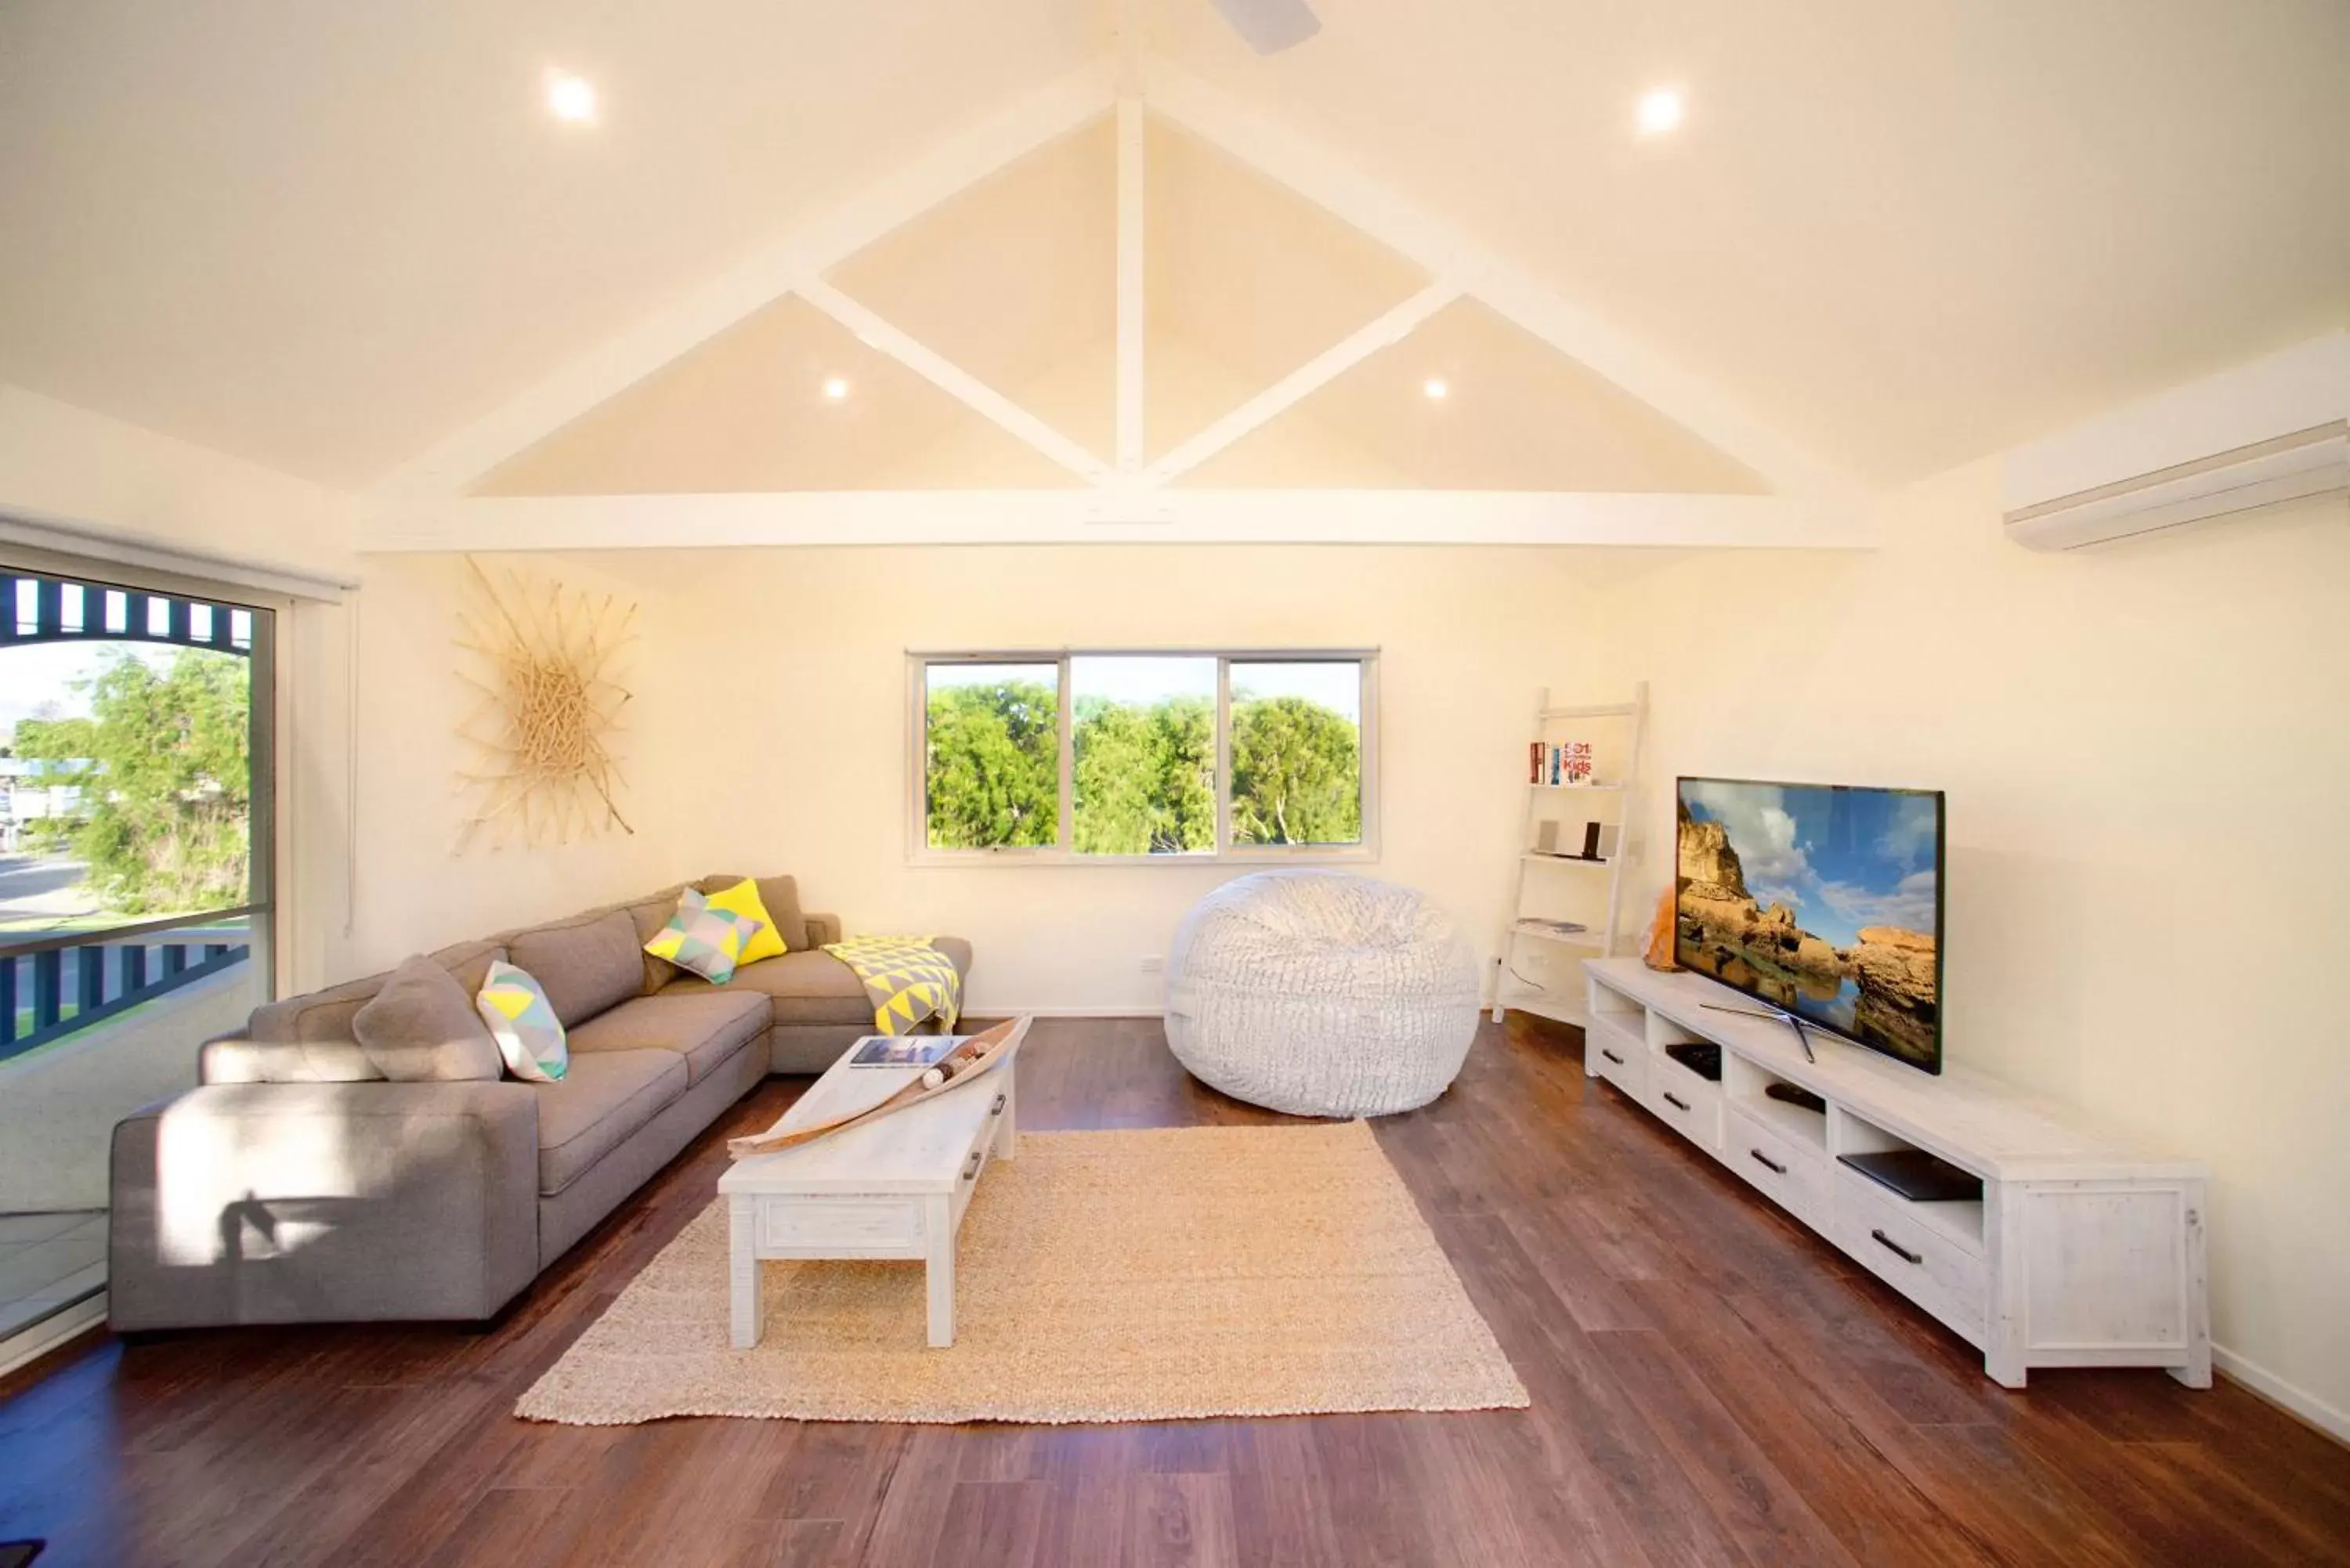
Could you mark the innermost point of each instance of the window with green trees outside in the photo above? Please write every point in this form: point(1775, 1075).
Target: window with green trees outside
point(1145, 755)
point(134, 796)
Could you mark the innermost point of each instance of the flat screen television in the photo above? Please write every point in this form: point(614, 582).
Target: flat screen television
point(1824, 900)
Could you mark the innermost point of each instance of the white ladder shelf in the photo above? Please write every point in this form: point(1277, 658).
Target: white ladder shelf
point(1564, 1000)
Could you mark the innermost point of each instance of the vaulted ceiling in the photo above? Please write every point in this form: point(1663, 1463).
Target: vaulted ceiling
point(323, 237)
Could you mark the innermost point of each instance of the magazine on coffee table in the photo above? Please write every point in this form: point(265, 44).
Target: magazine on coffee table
point(904, 1049)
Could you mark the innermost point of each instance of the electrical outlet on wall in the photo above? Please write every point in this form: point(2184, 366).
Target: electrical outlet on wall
point(1152, 963)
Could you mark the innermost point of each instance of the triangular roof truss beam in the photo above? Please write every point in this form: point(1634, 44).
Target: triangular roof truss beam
point(1124, 489)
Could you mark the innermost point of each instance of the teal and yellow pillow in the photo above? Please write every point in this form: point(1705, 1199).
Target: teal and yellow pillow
point(705, 939)
point(522, 1022)
point(743, 899)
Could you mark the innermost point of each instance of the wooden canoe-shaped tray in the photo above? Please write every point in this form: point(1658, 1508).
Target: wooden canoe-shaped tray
point(960, 1066)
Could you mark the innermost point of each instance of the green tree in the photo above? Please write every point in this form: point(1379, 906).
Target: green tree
point(1296, 773)
point(1145, 776)
point(992, 775)
point(1185, 817)
point(62, 746)
point(60, 749)
point(164, 765)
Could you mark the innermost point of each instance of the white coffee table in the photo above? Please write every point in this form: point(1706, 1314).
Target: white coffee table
point(895, 1187)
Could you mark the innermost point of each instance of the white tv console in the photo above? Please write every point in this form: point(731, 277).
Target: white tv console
point(2083, 1252)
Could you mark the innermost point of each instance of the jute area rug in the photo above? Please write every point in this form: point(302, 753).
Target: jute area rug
point(1100, 1276)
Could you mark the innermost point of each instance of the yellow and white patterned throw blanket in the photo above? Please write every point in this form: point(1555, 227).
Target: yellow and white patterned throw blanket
point(907, 980)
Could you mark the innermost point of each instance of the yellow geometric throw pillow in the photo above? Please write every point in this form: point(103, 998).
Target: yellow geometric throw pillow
point(743, 899)
point(709, 942)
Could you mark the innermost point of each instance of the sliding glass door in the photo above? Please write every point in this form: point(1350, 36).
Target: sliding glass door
point(135, 881)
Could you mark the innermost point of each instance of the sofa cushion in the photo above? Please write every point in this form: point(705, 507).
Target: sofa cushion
point(469, 962)
point(241, 1059)
point(703, 1026)
point(307, 1039)
point(586, 965)
point(814, 987)
point(806, 988)
point(603, 1100)
point(422, 1028)
point(780, 897)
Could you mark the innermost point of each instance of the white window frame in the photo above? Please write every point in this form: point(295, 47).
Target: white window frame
point(25, 549)
point(1062, 851)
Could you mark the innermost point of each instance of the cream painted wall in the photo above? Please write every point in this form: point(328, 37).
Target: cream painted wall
point(771, 716)
point(58, 461)
point(2146, 762)
point(412, 890)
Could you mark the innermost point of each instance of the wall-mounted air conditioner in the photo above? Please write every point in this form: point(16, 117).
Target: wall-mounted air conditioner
point(2276, 430)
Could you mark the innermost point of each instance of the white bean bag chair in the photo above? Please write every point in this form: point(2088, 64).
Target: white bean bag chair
point(1321, 995)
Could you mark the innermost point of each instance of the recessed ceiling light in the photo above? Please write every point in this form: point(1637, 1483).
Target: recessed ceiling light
point(1661, 110)
point(570, 98)
point(1435, 388)
point(836, 387)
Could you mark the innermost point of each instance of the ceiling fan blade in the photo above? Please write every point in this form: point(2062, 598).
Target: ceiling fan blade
point(1271, 26)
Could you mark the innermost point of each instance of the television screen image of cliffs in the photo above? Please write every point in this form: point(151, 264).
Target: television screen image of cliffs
point(1822, 901)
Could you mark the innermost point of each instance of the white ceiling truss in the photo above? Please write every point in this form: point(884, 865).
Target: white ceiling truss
point(423, 506)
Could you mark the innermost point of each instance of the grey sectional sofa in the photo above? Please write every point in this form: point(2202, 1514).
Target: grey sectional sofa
point(296, 1184)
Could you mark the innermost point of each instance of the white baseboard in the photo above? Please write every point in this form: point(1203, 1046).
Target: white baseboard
point(51, 1332)
point(2277, 1391)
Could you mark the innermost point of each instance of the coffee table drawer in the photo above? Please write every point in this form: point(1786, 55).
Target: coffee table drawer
point(800, 1223)
point(982, 1156)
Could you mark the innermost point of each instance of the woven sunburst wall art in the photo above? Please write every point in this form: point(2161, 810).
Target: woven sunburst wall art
point(540, 768)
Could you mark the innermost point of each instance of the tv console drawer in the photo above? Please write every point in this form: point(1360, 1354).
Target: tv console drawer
point(1619, 1057)
point(1692, 1104)
point(1793, 1176)
point(2100, 1254)
point(1877, 1227)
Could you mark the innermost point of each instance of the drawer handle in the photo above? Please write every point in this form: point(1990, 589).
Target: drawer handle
point(1773, 1166)
point(971, 1166)
point(997, 1109)
point(1896, 1248)
point(1675, 1100)
point(1611, 1055)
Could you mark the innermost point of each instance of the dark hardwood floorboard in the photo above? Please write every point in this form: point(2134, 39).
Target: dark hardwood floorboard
point(1712, 1385)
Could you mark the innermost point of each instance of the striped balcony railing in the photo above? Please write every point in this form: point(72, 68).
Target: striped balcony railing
point(56, 985)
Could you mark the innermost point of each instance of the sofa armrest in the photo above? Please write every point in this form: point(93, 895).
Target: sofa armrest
point(822, 929)
point(243, 1203)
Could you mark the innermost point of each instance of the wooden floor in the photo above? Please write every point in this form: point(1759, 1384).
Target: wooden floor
point(1711, 1384)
